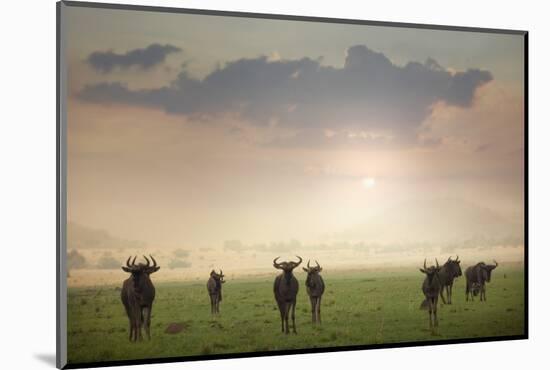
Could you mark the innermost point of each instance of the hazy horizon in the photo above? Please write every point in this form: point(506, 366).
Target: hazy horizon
point(230, 138)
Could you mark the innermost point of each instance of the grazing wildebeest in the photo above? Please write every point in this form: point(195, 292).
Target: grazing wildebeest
point(315, 289)
point(432, 289)
point(138, 294)
point(214, 287)
point(285, 289)
point(448, 273)
point(476, 277)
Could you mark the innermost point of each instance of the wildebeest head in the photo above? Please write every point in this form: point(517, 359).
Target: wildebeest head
point(453, 266)
point(218, 277)
point(312, 270)
point(488, 269)
point(286, 266)
point(430, 271)
point(140, 270)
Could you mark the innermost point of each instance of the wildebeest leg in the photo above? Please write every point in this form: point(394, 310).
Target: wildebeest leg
point(137, 325)
point(319, 310)
point(436, 321)
point(140, 322)
point(467, 291)
point(430, 311)
point(482, 294)
point(131, 324)
point(442, 296)
point(218, 298)
point(147, 321)
point(450, 292)
point(313, 312)
point(131, 320)
point(287, 313)
point(282, 313)
point(294, 316)
point(129, 314)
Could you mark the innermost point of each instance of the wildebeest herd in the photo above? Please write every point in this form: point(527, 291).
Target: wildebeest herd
point(138, 291)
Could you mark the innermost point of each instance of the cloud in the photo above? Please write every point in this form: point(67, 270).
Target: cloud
point(368, 94)
point(106, 61)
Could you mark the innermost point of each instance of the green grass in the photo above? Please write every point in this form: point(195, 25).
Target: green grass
point(357, 309)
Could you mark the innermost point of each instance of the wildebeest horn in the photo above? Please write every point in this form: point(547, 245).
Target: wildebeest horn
point(496, 263)
point(300, 261)
point(456, 258)
point(449, 259)
point(424, 264)
point(436, 263)
point(221, 272)
point(275, 262)
point(128, 262)
point(154, 262)
point(134, 261)
point(307, 263)
point(318, 266)
point(148, 262)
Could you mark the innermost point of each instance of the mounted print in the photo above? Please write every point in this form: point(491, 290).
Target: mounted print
point(235, 184)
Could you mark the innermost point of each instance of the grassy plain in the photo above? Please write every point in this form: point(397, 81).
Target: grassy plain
point(358, 308)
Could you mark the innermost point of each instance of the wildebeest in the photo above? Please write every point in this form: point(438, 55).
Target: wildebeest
point(285, 289)
point(315, 288)
point(214, 287)
point(138, 294)
point(432, 288)
point(448, 273)
point(476, 277)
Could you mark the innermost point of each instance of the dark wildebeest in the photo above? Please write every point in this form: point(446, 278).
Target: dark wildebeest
point(432, 288)
point(214, 287)
point(448, 273)
point(138, 294)
point(315, 289)
point(476, 277)
point(285, 289)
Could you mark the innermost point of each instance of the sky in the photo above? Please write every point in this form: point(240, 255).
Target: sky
point(197, 132)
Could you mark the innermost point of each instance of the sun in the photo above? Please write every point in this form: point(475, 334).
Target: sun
point(368, 182)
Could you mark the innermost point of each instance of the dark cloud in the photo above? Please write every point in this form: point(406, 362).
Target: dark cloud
point(369, 93)
point(106, 61)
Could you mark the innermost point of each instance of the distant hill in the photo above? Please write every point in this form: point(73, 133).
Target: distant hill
point(436, 221)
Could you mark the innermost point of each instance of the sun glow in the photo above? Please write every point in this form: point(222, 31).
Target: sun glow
point(368, 182)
